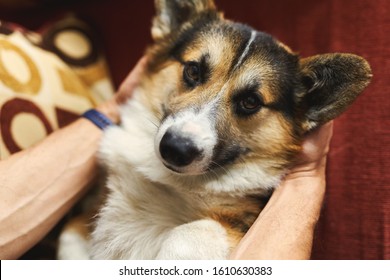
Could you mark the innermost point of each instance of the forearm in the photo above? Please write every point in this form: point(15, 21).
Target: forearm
point(39, 185)
point(284, 230)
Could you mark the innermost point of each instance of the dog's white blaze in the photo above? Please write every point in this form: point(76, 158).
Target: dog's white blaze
point(246, 50)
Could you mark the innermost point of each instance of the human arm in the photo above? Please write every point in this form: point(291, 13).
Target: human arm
point(40, 184)
point(285, 228)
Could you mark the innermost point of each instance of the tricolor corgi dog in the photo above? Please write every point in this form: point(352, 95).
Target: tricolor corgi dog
point(215, 123)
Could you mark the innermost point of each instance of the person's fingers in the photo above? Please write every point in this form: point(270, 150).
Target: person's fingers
point(316, 144)
point(312, 159)
point(129, 84)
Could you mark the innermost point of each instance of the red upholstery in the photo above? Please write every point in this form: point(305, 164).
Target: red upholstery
point(355, 223)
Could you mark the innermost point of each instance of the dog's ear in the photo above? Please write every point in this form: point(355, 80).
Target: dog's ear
point(331, 83)
point(171, 14)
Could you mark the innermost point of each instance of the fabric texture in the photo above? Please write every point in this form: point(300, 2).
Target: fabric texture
point(47, 79)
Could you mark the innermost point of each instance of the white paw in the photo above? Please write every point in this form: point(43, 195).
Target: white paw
point(202, 239)
point(72, 246)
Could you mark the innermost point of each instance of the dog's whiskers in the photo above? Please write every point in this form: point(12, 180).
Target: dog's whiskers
point(212, 172)
point(225, 170)
point(152, 122)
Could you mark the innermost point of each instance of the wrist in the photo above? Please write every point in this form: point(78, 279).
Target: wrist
point(110, 109)
point(313, 169)
point(307, 192)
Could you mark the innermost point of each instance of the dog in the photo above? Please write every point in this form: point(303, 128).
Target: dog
point(215, 123)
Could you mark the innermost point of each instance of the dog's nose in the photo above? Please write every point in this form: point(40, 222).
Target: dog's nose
point(178, 150)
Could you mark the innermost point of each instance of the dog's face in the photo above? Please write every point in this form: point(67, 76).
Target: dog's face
point(236, 101)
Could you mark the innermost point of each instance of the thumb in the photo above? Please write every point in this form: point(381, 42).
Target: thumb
point(127, 87)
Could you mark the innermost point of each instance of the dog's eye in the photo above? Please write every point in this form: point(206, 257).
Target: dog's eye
point(248, 104)
point(191, 73)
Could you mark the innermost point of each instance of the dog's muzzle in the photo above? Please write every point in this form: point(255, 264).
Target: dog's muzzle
point(178, 151)
point(185, 142)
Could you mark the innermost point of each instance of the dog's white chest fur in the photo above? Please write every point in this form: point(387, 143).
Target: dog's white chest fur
point(150, 229)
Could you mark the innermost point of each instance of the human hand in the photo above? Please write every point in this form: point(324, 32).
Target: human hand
point(285, 227)
point(111, 107)
point(131, 81)
point(311, 161)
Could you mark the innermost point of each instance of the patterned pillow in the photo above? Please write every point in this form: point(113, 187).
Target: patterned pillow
point(47, 79)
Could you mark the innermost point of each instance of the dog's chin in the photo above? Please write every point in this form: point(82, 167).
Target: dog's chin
point(188, 170)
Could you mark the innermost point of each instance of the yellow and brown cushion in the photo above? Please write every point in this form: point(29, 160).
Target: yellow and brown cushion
point(47, 79)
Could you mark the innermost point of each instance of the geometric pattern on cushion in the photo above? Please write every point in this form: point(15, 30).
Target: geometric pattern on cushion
point(47, 80)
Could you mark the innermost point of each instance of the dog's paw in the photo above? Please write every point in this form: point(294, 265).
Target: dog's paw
point(202, 239)
point(73, 243)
